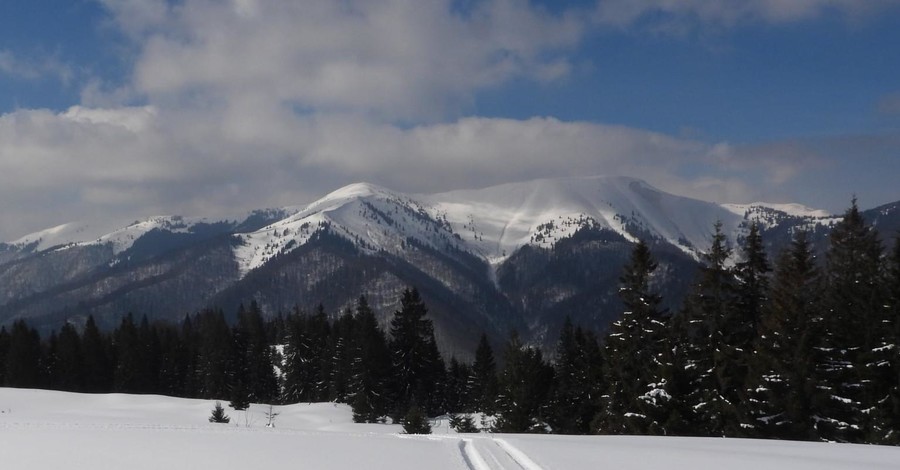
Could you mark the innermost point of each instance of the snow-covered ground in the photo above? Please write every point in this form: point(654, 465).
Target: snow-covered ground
point(55, 430)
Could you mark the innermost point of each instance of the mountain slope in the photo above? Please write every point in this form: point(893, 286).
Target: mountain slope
point(516, 256)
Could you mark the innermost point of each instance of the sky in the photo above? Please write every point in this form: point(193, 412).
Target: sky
point(114, 110)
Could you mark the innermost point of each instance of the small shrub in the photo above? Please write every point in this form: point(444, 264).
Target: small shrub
point(218, 415)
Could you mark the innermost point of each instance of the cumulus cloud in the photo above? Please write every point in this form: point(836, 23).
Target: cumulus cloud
point(393, 59)
point(241, 104)
point(31, 69)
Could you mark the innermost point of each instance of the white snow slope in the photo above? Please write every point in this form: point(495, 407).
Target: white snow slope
point(56, 430)
point(493, 222)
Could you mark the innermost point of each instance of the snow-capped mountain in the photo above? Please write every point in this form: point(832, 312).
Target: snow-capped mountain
point(520, 255)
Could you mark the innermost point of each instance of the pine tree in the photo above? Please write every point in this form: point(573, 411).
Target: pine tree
point(891, 408)
point(97, 365)
point(69, 371)
point(214, 354)
point(415, 362)
point(525, 384)
point(572, 404)
point(853, 346)
point(218, 415)
point(23, 358)
point(702, 345)
point(415, 421)
point(632, 350)
point(370, 366)
point(781, 385)
point(482, 384)
point(455, 388)
point(740, 326)
point(463, 423)
point(4, 351)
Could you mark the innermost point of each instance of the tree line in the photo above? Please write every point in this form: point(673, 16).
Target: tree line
point(797, 348)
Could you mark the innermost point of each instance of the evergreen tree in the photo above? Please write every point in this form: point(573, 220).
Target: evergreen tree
point(702, 345)
point(742, 323)
point(415, 421)
point(891, 407)
point(23, 358)
point(129, 374)
point(4, 352)
point(370, 366)
point(853, 349)
point(255, 355)
point(341, 367)
point(69, 369)
point(572, 404)
point(632, 350)
point(525, 384)
point(97, 364)
point(456, 387)
point(482, 385)
point(781, 385)
point(415, 363)
point(214, 354)
point(463, 423)
point(218, 415)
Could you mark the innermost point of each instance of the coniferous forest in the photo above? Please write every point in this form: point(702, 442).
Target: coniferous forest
point(797, 347)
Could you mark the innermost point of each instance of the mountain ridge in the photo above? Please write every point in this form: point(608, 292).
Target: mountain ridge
point(515, 256)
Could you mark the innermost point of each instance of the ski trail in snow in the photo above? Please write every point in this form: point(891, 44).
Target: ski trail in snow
point(494, 454)
point(523, 460)
point(471, 456)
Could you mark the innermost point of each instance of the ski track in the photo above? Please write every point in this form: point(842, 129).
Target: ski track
point(494, 454)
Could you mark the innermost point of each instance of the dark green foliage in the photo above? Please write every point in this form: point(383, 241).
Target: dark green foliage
point(482, 385)
point(370, 368)
point(525, 384)
point(702, 348)
point(415, 421)
point(23, 358)
point(218, 415)
point(455, 391)
point(780, 387)
point(417, 368)
point(852, 350)
point(96, 353)
point(463, 423)
point(571, 406)
point(632, 353)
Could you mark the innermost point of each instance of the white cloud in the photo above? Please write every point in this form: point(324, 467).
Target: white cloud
point(682, 15)
point(394, 59)
point(33, 68)
point(248, 104)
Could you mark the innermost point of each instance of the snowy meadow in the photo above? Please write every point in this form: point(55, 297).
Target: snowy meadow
point(45, 429)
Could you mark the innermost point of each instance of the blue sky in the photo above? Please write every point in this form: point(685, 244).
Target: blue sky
point(126, 108)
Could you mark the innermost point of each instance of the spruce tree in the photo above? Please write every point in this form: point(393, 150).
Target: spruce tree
point(4, 351)
point(525, 384)
point(740, 325)
point(572, 404)
point(891, 408)
point(415, 421)
point(415, 363)
point(781, 382)
point(482, 386)
point(97, 364)
point(218, 415)
point(853, 346)
point(632, 351)
point(23, 358)
point(69, 372)
point(703, 349)
point(370, 367)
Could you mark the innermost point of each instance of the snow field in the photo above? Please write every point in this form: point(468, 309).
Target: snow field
point(56, 430)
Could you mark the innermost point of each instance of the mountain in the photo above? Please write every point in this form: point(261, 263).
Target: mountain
point(516, 256)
